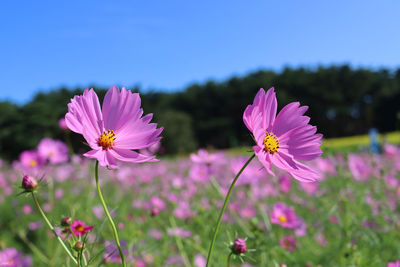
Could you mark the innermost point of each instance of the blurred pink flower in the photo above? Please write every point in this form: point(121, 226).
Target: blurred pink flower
point(391, 181)
point(284, 216)
point(325, 166)
point(204, 157)
point(157, 203)
point(284, 183)
point(183, 210)
point(59, 193)
point(62, 124)
point(288, 242)
point(98, 211)
point(27, 209)
point(155, 233)
point(200, 173)
point(34, 226)
point(394, 264)
point(248, 212)
point(334, 219)
point(320, 238)
point(391, 150)
point(10, 257)
point(310, 188)
point(179, 232)
point(54, 151)
point(359, 167)
point(114, 131)
point(301, 228)
point(111, 254)
point(284, 139)
point(199, 261)
point(30, 159)
point(47, 207)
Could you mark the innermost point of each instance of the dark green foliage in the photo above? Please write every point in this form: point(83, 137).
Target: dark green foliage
point(343, 101)
point(178, 134)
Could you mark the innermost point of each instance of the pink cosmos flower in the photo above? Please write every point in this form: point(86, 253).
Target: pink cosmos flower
point(284, 139)
point(157, 203)
point(394, 264)
point(326, 166)
point(30, 159)
point(34, 226)
point(200, 173)
point(177, 231)
point(391, 150)
point(288, 242)
point(284, 216)
point(310, 188)
point(80, 228)
point(155, 233)
point(62, 124)
point(10, 257)
point(360, 167)
point(284, 183)
point(203, 157)
point(199, 261)
point(301, 228)
point(114, 131)
point(54, 151)
point(111, 254)
point(27, 209)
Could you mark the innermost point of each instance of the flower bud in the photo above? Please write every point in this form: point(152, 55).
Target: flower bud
point(239, 246)
point(29, 183)
point(66, 221)
point(154, 212)
point(79, 245)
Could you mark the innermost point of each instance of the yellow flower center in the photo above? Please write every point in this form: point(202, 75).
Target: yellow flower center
point(271, 143)
point(282, 219)
point(32, 163)
point(79, 228)
point(106, 140)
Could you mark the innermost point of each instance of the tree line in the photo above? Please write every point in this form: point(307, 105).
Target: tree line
point(342, 101)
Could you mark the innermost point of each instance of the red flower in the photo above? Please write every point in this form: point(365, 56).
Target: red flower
point(79, 228)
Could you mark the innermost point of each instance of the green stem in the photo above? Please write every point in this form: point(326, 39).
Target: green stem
point(110, 220)
point(179, 243)
point(223, 209)
point(52, 229)
point(34, 248)
point(229, 259)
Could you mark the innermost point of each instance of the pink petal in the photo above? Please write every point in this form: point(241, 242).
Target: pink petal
point(130, 156)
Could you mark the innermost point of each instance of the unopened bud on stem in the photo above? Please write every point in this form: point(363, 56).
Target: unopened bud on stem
point(29, 183)
point(239, 246)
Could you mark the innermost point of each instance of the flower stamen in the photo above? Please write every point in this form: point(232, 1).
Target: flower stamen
point(106, 140)
point(282, 219)
point(271, 143)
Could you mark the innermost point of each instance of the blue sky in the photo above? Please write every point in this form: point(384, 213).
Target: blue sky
point(167, 45)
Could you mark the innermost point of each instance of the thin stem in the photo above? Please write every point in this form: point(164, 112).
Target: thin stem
point(110, 220)
point(34, 248)
point(84, 258)
point(229, 259)
point(179, 243)
point(223, 209)
point(52, 228)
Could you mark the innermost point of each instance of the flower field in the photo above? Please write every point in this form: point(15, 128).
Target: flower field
point(166, 212)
